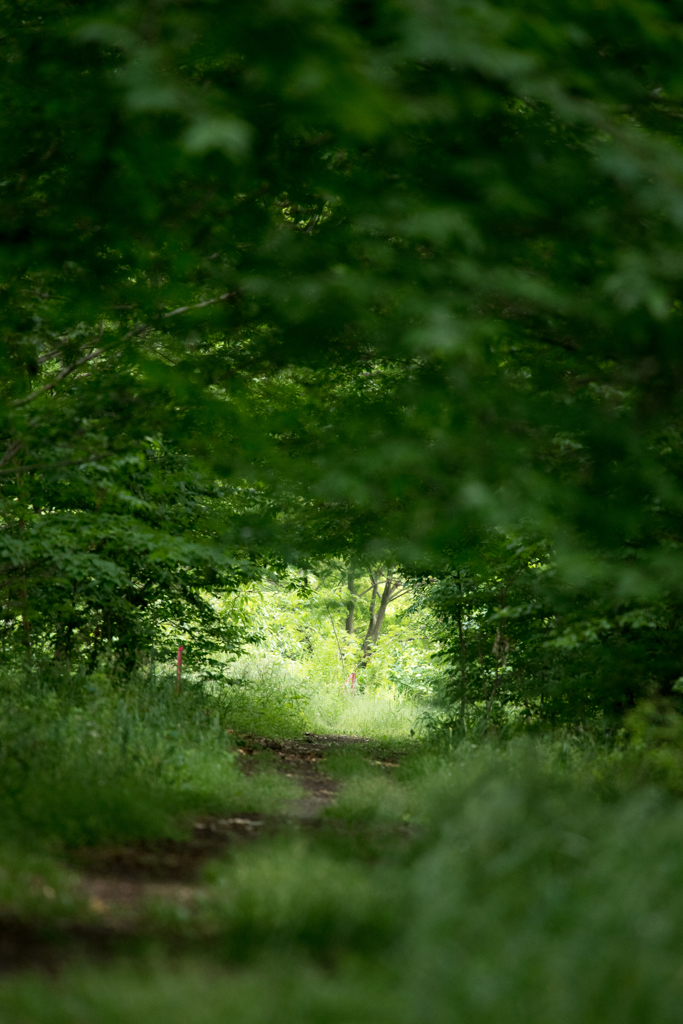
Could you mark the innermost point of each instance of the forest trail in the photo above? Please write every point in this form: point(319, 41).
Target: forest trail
point(120, 882)
point(298, 759)
point(127, 873)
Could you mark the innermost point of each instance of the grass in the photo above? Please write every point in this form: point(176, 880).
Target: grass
point(530, 881)
point(36, 886)
point(268, 695)
point(152, 993)
point(293, 894)
point(519, 896)
point(95, 761)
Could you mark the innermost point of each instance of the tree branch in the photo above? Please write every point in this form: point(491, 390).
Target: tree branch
point(200, 305)
point(181, 309)
point(60, 376)
point(48, 355)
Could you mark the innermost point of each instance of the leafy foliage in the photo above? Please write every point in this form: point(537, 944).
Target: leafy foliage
point(519, 646)
point(401, 272)
point(118, 560)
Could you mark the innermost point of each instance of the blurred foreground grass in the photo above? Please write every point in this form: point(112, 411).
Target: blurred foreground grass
point(538, 880)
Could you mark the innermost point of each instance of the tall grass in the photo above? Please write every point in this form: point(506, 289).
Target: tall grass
point(152, 992)
point(540, 900)
point(263, 696)
point(271, 695)
point(88, 759)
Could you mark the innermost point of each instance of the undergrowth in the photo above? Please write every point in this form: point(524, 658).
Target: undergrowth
point(269, 695)
point(530, 880)
point(478, 886)
point(93, 759)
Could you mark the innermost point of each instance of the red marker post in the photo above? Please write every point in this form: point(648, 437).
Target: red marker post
point(180, 665)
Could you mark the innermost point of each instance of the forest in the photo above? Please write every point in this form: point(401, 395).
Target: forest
point(341, 512)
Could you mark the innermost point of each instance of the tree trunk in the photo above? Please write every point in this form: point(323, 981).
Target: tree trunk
point(501, 648)
point(377, 617)
point(351, 604)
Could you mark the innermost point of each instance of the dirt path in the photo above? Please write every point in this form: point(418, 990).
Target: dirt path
point(119, 881)
point(156, 867)
point(298, 760)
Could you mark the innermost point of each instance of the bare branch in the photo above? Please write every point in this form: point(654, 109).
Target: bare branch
point(568, 346)
point(48, 356)
point(181, 309)
point(200, 305)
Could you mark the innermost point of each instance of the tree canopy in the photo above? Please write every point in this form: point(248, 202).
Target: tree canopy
point(393, 280)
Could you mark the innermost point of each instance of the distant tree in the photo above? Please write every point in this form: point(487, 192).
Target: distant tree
point(384, 588)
